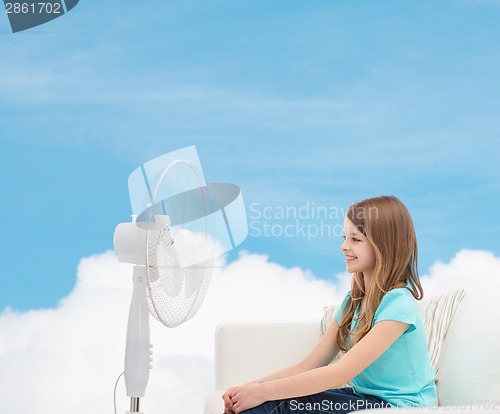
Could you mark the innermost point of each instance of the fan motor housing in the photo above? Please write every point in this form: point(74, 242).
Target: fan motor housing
point(124, 241)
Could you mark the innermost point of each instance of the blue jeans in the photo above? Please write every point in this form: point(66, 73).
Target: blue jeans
point(334, 401)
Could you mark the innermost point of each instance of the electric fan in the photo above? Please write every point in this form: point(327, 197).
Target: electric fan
point(179, 225)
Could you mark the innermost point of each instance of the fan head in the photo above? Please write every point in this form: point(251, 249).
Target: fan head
point(180, 225)
point(178, 243)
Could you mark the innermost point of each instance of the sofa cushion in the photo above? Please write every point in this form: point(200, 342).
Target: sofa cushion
point(437, 314)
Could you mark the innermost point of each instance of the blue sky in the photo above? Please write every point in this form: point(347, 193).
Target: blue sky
point(296, 102)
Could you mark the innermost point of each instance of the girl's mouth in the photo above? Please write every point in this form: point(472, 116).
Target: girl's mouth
point(349, 259)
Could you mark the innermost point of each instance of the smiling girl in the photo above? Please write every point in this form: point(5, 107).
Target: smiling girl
point(378, 326)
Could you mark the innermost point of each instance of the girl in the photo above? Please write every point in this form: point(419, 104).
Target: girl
point(378, 326)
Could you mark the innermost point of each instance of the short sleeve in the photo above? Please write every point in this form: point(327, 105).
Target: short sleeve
point(398, 305)
point(338, 315)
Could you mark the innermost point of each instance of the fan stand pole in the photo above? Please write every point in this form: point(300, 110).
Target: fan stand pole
point(138, 350)
point(134, 405)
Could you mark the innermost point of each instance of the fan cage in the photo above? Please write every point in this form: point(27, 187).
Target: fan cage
point(179, 243)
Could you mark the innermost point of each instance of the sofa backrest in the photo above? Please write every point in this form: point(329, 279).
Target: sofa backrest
point(470, 359)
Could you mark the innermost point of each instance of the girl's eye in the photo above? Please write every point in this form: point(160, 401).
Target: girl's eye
point(353, 239)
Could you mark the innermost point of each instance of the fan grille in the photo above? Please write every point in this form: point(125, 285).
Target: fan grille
point(179, 245)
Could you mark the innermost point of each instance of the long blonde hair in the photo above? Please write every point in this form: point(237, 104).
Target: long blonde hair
point(388, 226)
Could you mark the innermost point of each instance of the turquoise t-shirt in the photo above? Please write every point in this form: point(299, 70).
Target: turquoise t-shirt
point(402, 375)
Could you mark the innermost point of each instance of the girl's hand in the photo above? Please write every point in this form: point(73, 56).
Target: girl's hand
point(228, 404)
point(246, 397)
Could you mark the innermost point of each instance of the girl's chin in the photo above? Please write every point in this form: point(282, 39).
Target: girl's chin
point(350, 263)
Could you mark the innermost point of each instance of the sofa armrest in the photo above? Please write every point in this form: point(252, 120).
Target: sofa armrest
point(247, 351)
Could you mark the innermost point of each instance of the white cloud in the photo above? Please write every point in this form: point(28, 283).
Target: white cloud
point(469, 268)
point(67, 359)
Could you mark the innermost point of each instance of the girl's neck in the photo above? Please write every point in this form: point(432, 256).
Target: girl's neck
point(367, 278)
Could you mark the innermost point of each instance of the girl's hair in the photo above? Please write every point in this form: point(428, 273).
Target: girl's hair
point(388, 226)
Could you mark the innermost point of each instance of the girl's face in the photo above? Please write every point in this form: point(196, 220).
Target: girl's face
point(358, 251)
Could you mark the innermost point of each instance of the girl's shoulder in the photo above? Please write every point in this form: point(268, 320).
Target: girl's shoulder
point(404, 291)
point(399, 291)
point(399, 305)
point(398, 298)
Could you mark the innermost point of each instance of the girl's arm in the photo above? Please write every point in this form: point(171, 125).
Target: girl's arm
point(316, 380)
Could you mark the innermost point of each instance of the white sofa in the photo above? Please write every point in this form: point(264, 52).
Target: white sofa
point(469, 363)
